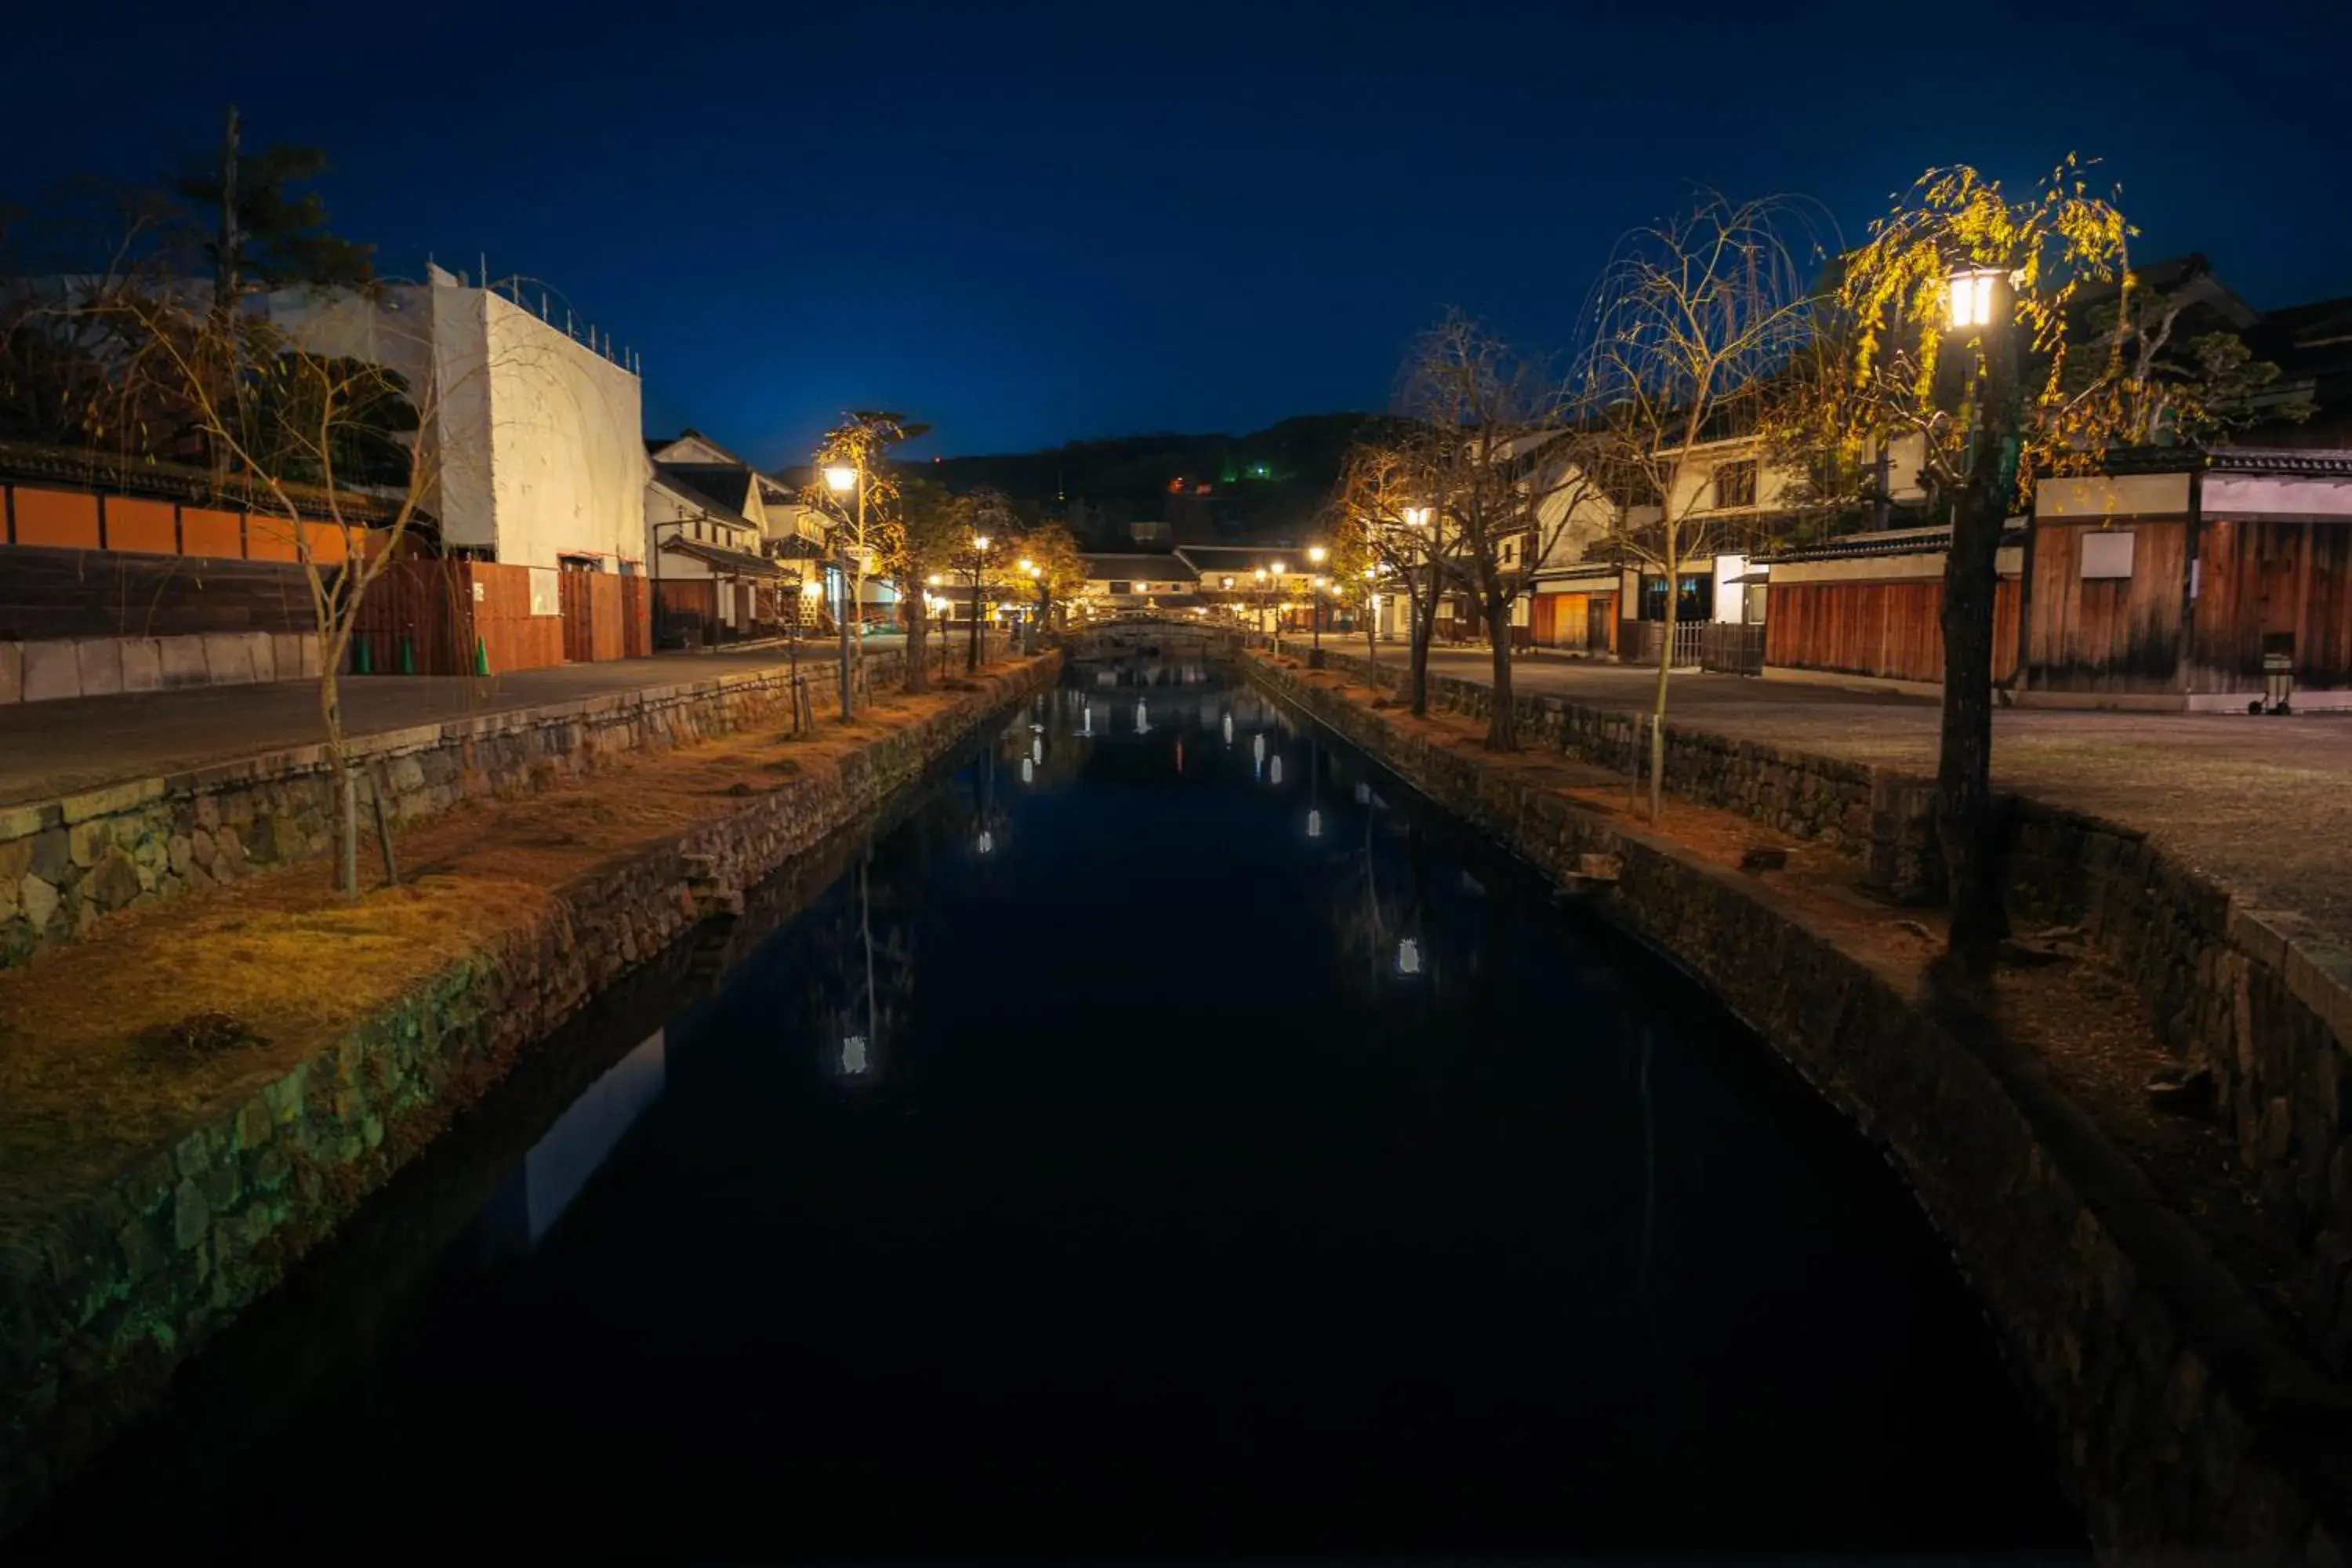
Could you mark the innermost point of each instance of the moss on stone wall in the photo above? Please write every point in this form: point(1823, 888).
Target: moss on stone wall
point(98, 1309)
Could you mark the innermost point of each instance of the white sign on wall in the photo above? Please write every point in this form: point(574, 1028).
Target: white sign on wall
point(546, 597)
point(2106, 555)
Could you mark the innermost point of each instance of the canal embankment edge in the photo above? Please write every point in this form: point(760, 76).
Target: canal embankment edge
point(69, 861)
point(2179, 1418)
point(2252, 1003)
point(99, 1309)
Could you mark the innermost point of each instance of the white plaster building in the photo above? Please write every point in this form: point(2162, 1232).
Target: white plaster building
point(533, 436)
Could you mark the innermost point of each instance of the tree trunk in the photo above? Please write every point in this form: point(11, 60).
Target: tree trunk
point(1502, 718)
point(1963, 821)
point(1424, 627)
point(1964, 755)
point(918, 620)
point(340, 786)
point(1658, 700)
point(1371, 640)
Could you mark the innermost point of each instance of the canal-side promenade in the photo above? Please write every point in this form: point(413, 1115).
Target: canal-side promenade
point(2186, 1394)
point(199, 1089)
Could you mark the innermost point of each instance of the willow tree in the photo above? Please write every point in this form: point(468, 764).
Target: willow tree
point(1697, 322)
point(1964, 333)
point(1379, 515)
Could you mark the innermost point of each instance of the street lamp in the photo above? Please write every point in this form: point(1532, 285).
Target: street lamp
point(1973, 291)
point(979, 566)
point(1416, 517)
point(842, 479)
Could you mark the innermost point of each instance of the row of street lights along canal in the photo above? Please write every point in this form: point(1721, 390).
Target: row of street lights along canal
point(1269, 581)
point(1976, 297)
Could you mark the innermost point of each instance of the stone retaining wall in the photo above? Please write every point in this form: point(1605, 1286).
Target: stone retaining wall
point(2257, 996)
point(2179, 1416)
point(46, 670)
point(65, 863)
point(98, 1309)
point(1801, 795)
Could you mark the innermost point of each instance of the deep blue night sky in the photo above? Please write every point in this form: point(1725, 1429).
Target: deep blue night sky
point(1036, 224)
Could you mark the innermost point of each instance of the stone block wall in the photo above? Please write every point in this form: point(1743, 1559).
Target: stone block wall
point(2178, 1416)
point(1797, 792)
point(99, 1303)
point(66, 863)
point(45, 669)
point(2257, 996)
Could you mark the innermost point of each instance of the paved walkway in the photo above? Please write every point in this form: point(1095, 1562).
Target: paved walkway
point(2263, 805)
point(49, 749)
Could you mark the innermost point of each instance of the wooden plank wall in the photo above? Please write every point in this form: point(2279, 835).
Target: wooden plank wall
point(64, 593)
point(607, 633)
point(2109, 635)
point(1890, 630)
point(2258, 579)
point(637, 618)
point(426, 603)
point(687, 604)
point(515, 638)
point(1562, 620)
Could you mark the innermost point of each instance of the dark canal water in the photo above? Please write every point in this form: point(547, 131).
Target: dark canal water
point(1164, 1138)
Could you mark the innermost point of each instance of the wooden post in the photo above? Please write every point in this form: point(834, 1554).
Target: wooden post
point(384, 823)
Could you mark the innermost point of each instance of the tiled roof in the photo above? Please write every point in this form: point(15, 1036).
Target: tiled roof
point(1212, 561)
point(1885, 541)
point(120, 475)
point(1138, 565)
point(793, 547)
point(734, 562)
point(722, 484)
point(2313, 461)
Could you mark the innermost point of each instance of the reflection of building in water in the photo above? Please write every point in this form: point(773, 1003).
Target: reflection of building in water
point(538, 1190)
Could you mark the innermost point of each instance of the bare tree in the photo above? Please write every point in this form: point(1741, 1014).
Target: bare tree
point(1697, 322)
point(322, 446)
point(1380, 516)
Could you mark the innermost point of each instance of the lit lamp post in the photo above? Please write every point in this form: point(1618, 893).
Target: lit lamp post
point(842, 479)
point(1037, 579)
point(979, 567)
point(1316, 555)
point(1982, 306)
point(937, 602)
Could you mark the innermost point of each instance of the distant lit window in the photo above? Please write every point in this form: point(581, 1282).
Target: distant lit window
point(1122, 587)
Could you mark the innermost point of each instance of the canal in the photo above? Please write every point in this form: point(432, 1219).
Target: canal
point(1162, 1136)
